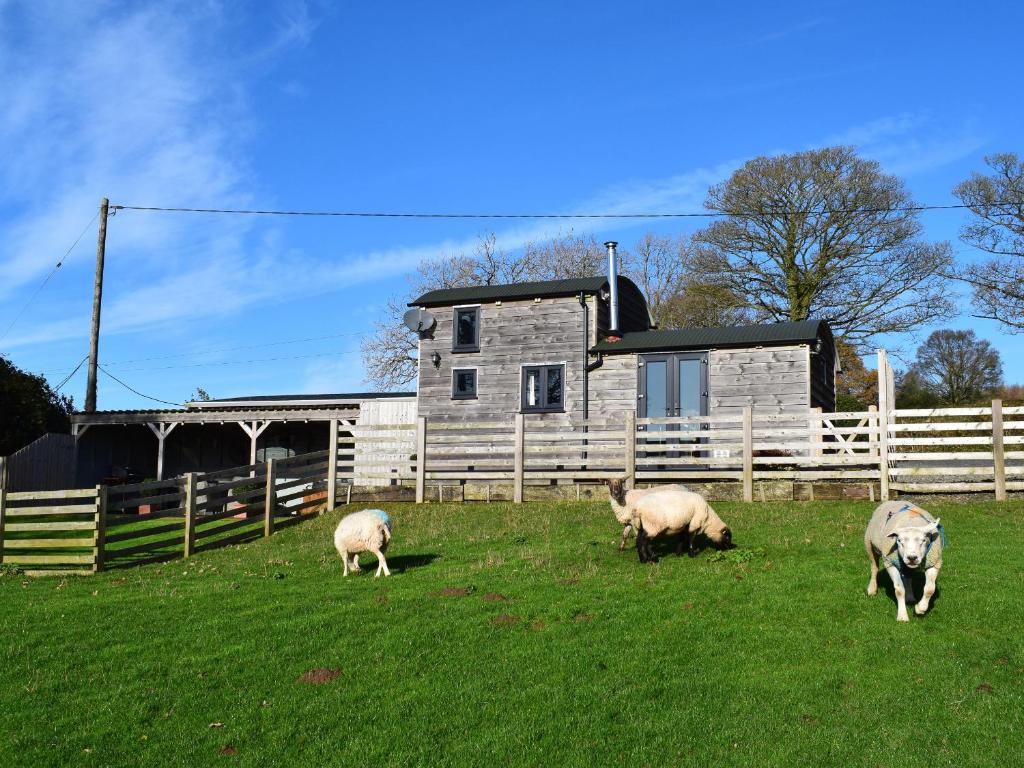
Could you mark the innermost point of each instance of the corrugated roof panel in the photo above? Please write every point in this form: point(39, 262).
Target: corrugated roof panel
point(569, 287)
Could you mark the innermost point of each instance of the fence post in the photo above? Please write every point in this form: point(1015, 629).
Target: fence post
point(101, 527)
point(631, 449)
point(748, 453)
point(191, 484)
point(3, 503)
point(884, 407)
point(998, 457)
point(815, 426)
point(332, 467)
point(517, 472)
point(421, 458)
point(270, 502)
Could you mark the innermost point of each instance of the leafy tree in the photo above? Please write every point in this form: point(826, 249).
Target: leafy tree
point(997, 202)
point(29, 408)
point(200, 395)
point(856, 384)
point(824, 233)
point(958, 368)
point(911, 392)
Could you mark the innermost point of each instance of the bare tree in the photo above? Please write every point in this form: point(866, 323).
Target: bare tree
point(997, 202)
point(958, 367)
point(678, 293)
point(389, 354)
point(824, 233)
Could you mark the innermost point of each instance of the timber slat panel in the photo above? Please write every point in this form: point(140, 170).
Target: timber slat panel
point(74, 493)
point(62, 526)
point(49, 559)
point(77, 543)
point(50, 511)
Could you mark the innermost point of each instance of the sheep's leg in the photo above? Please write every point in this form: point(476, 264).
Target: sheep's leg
point(908, 582)
point(625, 536)
point(873, 558)
point(641, 538)
point(355, 562)
point(901, 594)
point(344, 563)
point(683, 542)
point(930, 576)
point(382, 564)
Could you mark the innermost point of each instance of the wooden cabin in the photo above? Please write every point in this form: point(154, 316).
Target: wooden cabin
point(554, 349)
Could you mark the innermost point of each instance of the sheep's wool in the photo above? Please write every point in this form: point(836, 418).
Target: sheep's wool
point(384, 518)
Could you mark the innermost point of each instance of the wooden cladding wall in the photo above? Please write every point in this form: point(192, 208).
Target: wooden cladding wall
point(771, 380)
point(512, 335)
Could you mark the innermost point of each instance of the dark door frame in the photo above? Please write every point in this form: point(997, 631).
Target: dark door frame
point(672, 360)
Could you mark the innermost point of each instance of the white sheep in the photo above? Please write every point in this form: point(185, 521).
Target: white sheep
point(366, 531)
point(906, 538)
point(622, 501)
point(669, 511)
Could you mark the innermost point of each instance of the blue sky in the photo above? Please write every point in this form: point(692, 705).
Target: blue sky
point(469, 107)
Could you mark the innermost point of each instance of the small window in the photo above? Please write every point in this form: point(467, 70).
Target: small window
point(543, 388)
point(466, 337)
point(464, 384)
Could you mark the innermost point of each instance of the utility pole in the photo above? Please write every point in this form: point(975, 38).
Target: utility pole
point(97, 300)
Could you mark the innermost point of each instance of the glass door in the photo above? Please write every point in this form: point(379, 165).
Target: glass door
point(673, 385)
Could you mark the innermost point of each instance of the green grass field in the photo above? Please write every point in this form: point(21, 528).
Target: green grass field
point(521, 636)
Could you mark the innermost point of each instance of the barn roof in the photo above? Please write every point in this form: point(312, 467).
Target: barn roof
point(765, 334)
point(538, 289)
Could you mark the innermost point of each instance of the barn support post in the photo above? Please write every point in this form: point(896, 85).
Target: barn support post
point(190, 513)
point(517, 472)
point(332, 466)
point(884, 408)
point(748, 453)
point(270, 501)
point(3, 503)
point(100, 519)
point(998, 455)
point(161, 431)
point(630, 449)
point(421, 458)
point(253, 430)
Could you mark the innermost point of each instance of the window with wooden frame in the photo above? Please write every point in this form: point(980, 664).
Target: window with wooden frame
point(466, 333)
point(543, 388)
point(464, 384)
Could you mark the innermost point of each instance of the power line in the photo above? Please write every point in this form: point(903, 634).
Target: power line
point(234, 349)
point(243, 362)
point(42, 285)
point(67, 378)
point(689, 215)
point(135, 391)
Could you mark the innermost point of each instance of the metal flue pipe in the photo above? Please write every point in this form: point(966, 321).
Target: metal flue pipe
point(613, 289)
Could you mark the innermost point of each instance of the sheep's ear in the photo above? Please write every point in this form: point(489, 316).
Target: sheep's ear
point(894, 535)
point(933, 529)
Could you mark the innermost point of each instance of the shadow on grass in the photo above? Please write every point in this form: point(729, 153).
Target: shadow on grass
point(402, 563)
point(917, 579)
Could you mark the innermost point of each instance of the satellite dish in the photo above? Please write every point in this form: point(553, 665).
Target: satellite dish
point(419, 320)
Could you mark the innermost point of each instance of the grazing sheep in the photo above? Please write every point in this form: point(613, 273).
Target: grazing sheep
point(365, 531)
point(622, 500)
point(669, 511)
point(906, 538)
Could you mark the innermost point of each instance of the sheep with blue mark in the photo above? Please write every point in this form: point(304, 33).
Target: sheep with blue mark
point(907, 539)
point(366, 531)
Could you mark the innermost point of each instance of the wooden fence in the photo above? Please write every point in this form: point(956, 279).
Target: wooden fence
point(938, 450)
point(81, 531)
point(45, 464)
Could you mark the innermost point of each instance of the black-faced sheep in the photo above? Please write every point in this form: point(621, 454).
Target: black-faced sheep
point(907, 539)
point(670, 511)
point(365, 531)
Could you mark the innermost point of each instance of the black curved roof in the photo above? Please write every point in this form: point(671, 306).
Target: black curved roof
point(542, 289)
point(765, 334)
